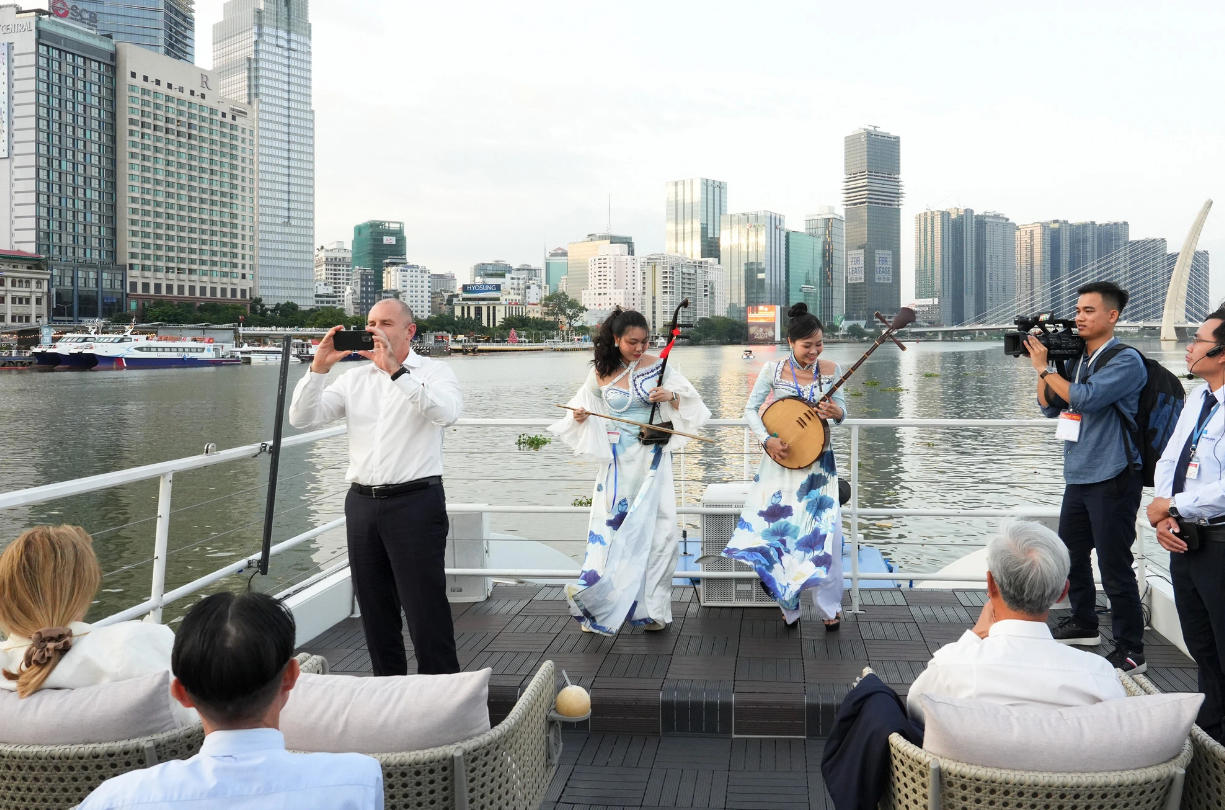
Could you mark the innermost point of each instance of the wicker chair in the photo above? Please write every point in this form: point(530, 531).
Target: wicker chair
point(1205, 787)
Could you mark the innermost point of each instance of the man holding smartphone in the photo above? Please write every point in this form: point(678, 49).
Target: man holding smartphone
point(396, 513)
point(1189, 513)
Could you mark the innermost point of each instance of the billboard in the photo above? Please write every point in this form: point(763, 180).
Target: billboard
point(389, 240)
point(763, 324)
point(884, 267)
point(854, 267)
point(482, 290)
point(74, 13)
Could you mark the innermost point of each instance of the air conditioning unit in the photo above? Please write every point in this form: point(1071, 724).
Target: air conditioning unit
point(716, 531)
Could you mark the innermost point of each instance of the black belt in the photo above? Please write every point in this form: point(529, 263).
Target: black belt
point(1213, 532)
point(391, 490)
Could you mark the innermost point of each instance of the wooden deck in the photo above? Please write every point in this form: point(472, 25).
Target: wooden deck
point(727, 708)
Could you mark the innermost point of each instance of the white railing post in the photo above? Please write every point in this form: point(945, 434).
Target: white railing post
point(855, 518)
point(160, 542)
point(746, 454)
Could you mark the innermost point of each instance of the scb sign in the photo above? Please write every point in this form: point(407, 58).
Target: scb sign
point(75, 13)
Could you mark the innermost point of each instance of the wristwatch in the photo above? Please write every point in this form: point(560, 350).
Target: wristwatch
point(1173, 510)
point(1042, 375)
point(399, 374)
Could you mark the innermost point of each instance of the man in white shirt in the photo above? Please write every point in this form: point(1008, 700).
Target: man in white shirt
point(396, 512)
point(233, 662)
point(1190, 499)
point(1010, 657)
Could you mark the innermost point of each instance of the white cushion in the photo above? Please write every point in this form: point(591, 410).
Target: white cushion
point(1114, 735)
point(344, 713)
point(107, 712)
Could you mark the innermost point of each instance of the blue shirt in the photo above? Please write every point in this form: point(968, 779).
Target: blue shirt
point(1105, 447)
point(245, 770)
point(1204, 496)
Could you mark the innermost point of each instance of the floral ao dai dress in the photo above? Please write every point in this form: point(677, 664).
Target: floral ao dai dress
point(632, 532)
point(791, 528)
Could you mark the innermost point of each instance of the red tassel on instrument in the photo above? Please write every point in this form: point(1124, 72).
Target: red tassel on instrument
point(663, 355)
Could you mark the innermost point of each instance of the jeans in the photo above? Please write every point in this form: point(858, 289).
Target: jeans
point(1199, 593)
point(1102, 516)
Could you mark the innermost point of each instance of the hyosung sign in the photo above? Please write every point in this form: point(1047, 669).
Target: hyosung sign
point(482, 290)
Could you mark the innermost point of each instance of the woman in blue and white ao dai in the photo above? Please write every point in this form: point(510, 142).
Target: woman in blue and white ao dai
point(632, 535)
point(791, 528)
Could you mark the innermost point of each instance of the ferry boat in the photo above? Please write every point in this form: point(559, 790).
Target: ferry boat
point(260, 355)
point(150, 351)
point(57, 353)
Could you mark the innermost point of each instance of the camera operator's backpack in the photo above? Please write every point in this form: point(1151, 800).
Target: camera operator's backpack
point(1161, 402)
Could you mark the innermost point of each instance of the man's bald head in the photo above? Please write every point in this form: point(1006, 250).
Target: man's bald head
point(396, 305)
point(394, 318)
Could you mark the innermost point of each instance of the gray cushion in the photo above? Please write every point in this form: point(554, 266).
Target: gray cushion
point(342, 713)
point(108, 712)
point(1114, 735)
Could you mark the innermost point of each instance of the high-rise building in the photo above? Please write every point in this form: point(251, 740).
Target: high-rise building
point(694, 211)
point(1112, 237)
point(1042, 268)
point(872, 194)
point(614, 279)
point(262, 53)
point(412, 282)
point(442, 282)
point(931, 263)
point(753, 251)
point(805, 271)
point(579, 253)
point(555, 267)
point(1197, 287)
point(944, 265)
point(1082, 245)
point(363, 290)
point(1147, 280)
point(57, 159)
point(668, 279)
point(167, 27)
point(957, 302)
point(187, 184)
point(333, 265)
point(995, 266)
point(490, 272)
point(375, 241)
point(830, 228)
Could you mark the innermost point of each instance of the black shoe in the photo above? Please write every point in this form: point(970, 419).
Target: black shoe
point(1070, 631)
point(1132, 663)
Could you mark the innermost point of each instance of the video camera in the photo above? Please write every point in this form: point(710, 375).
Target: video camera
point(1064, 344)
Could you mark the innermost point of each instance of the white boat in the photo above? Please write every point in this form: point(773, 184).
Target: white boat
point(260, 355)
point(67, 350)
point(150, 351)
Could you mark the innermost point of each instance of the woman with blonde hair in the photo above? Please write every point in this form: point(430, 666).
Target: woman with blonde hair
point(48, 578)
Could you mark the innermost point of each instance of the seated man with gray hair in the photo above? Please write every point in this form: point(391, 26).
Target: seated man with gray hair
point(1010, 657)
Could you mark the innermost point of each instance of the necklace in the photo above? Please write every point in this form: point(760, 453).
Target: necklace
point(801, 366)
point(629, 394)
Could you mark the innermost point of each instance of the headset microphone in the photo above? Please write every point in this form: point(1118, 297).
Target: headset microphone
point(1213, 352)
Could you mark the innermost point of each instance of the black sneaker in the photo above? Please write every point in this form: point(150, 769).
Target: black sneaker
point(1132, 663)
point(1070, 631)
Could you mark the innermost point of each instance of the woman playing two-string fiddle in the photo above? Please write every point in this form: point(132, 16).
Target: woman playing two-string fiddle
point(632, 533)
point(791, 528)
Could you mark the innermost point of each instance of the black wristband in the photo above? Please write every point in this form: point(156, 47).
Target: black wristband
point(399, 374)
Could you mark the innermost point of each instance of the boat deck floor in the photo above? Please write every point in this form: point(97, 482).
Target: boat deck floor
point(728, 707)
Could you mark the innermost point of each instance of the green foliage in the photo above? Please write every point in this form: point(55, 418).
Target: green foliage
point(561, 308)
point(930, 374)
point(857, 393)
point(526, 442)
point(581, 502)
point(856, 332)
point(894, 389)
point(871, 383)
point(718, 329)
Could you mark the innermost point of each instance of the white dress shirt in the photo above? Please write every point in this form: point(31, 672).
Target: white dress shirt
point(1017, 664)
point(395, 428)
point(1204, 496)
point(247, 770)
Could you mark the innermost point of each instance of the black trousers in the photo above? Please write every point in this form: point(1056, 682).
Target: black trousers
point(396, 554)
point(1102, 516)
point(1199, 593)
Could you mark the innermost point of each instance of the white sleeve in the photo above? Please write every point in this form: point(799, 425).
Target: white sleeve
point(315, 403)
point(436, 392)
point(589, 439)
point(688, 413)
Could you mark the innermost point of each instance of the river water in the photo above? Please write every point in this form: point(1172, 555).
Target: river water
point(69, 424)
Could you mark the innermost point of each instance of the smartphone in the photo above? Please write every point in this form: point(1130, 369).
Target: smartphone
point(353, 340)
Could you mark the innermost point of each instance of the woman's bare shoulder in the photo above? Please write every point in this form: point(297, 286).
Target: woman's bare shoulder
point(828, 367)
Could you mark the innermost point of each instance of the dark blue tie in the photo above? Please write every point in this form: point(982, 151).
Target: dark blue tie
point(1180, 472)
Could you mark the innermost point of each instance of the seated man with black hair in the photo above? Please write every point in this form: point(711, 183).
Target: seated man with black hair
point(233, 662)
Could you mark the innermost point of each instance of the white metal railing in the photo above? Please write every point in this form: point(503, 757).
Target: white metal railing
point(164, 472)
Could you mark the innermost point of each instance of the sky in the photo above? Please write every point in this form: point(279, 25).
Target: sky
point(500, 130)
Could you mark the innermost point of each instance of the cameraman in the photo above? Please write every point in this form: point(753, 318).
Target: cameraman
point(1102, 472)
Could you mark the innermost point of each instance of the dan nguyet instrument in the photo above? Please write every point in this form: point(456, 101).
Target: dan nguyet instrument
point(795, 420)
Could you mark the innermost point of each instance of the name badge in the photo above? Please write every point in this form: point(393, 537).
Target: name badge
point(1192, 470)
point(1069, 427)
point(614, 436)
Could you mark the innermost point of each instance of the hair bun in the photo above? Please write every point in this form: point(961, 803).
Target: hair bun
point(797, 310)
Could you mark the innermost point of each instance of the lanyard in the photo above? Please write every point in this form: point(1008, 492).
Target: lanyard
point(798, 389)
point(1202, 427)
point(1089, 362)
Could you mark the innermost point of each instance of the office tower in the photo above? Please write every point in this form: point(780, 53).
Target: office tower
point(995, 267)
point(490, 272)
point(333, 265)
point(1082, 245)
point(944, 265)
point(1198, 307)
point(363, 290)
point(1147, 280)
point(1112, 238)
point(262, 54)
point(167, 27)
point(753, 251)
point(57, 160)
point(579, 253)
point(375, 241)
point(1042, 250)
point(694, 210)
point(872, 194)
point(931, 263)
point(442, 282)
point(555, 267)
point(830, 228)
point(614, 279)
point(668, 279)
point(412, 282)
point(187, 171)
point(805, 271)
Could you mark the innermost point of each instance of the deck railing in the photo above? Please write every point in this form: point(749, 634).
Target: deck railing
point(852, 514)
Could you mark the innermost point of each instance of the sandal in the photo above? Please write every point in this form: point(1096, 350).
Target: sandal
point(832, 626)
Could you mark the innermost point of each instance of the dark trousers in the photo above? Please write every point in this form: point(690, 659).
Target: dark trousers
point(396, 554)
point(1102, 516)
point(1199, 593)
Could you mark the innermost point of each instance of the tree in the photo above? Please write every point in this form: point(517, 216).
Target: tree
point(856, 332)
point(562, 309)
point(719, 329)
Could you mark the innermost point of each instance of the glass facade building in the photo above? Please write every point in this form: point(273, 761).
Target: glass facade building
point(805, 271)
point(694, 211)
point(872, 193)
point(262, 54)
point(995, 268)
point(830, 228)
point(753, 247)
point(167, 27)
point(556, 265)
point(375, 241)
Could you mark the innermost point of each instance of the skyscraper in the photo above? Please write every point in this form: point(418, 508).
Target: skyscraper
point(693, 215)
point(377, 240)
point(931, 264)
point(753, 250)
point(1112, 237)
point(995, 267)
point(1147, 279)
point(830, 228)
point(614, 279)
point(872, 193)
point(667, 279)
point(165, 26)
point(1042, 268)
point(1082, 245)
point(579, 253)
point(556, 265)
point(805, 271)
point(262, 53)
